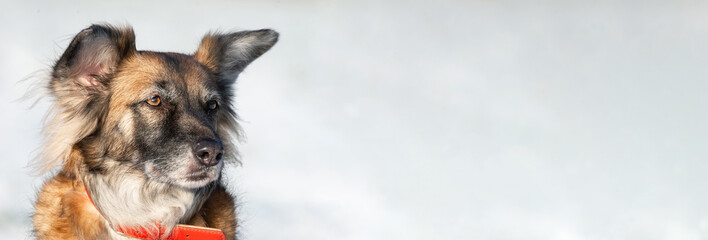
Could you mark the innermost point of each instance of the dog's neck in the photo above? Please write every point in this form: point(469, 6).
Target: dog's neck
point(129, 199)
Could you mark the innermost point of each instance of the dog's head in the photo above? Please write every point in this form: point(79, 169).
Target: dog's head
point(168, 116)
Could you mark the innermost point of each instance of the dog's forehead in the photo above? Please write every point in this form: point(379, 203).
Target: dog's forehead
point(171, 72)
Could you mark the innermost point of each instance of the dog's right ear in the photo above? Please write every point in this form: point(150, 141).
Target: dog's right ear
point(80, 85)
point(88, 62)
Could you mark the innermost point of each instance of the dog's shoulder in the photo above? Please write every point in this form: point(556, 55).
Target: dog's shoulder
point(63, 205)
point(219, 211)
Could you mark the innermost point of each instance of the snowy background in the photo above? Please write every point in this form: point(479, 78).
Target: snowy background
point(425, 119)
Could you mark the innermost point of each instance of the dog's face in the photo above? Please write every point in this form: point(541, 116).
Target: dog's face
point(168, 106)
point(168, 116)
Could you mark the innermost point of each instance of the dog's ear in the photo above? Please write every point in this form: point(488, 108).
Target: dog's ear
point(79, 83)
point(92, 56)
point(228, 54)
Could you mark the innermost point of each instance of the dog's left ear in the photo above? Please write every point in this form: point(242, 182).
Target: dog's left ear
point(228, 54)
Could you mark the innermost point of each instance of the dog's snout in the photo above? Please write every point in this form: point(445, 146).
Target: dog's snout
point(208, 151)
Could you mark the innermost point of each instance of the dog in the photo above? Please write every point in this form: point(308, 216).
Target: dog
point(138, 139)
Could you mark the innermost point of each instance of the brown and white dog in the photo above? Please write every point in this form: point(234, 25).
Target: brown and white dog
point(141, 137)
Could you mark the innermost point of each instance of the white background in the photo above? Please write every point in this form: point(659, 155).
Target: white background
point(424, 119)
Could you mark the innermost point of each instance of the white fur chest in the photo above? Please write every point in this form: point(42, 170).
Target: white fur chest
point(130, 200)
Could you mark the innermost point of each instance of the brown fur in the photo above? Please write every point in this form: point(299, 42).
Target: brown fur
point(104, 135)
point(63, 211)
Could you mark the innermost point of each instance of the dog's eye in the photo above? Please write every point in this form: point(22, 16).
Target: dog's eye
point(154, 101)
point(212, 105)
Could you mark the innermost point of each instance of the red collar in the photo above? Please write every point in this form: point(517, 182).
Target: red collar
point(179, 232)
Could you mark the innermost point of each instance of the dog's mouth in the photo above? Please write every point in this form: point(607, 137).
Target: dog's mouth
point(198, 176)
point(197, 179)
point(185, 176)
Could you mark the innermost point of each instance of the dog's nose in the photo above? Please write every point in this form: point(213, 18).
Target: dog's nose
point(208, 151)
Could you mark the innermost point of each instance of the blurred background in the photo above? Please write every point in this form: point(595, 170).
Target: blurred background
point(424, 119)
